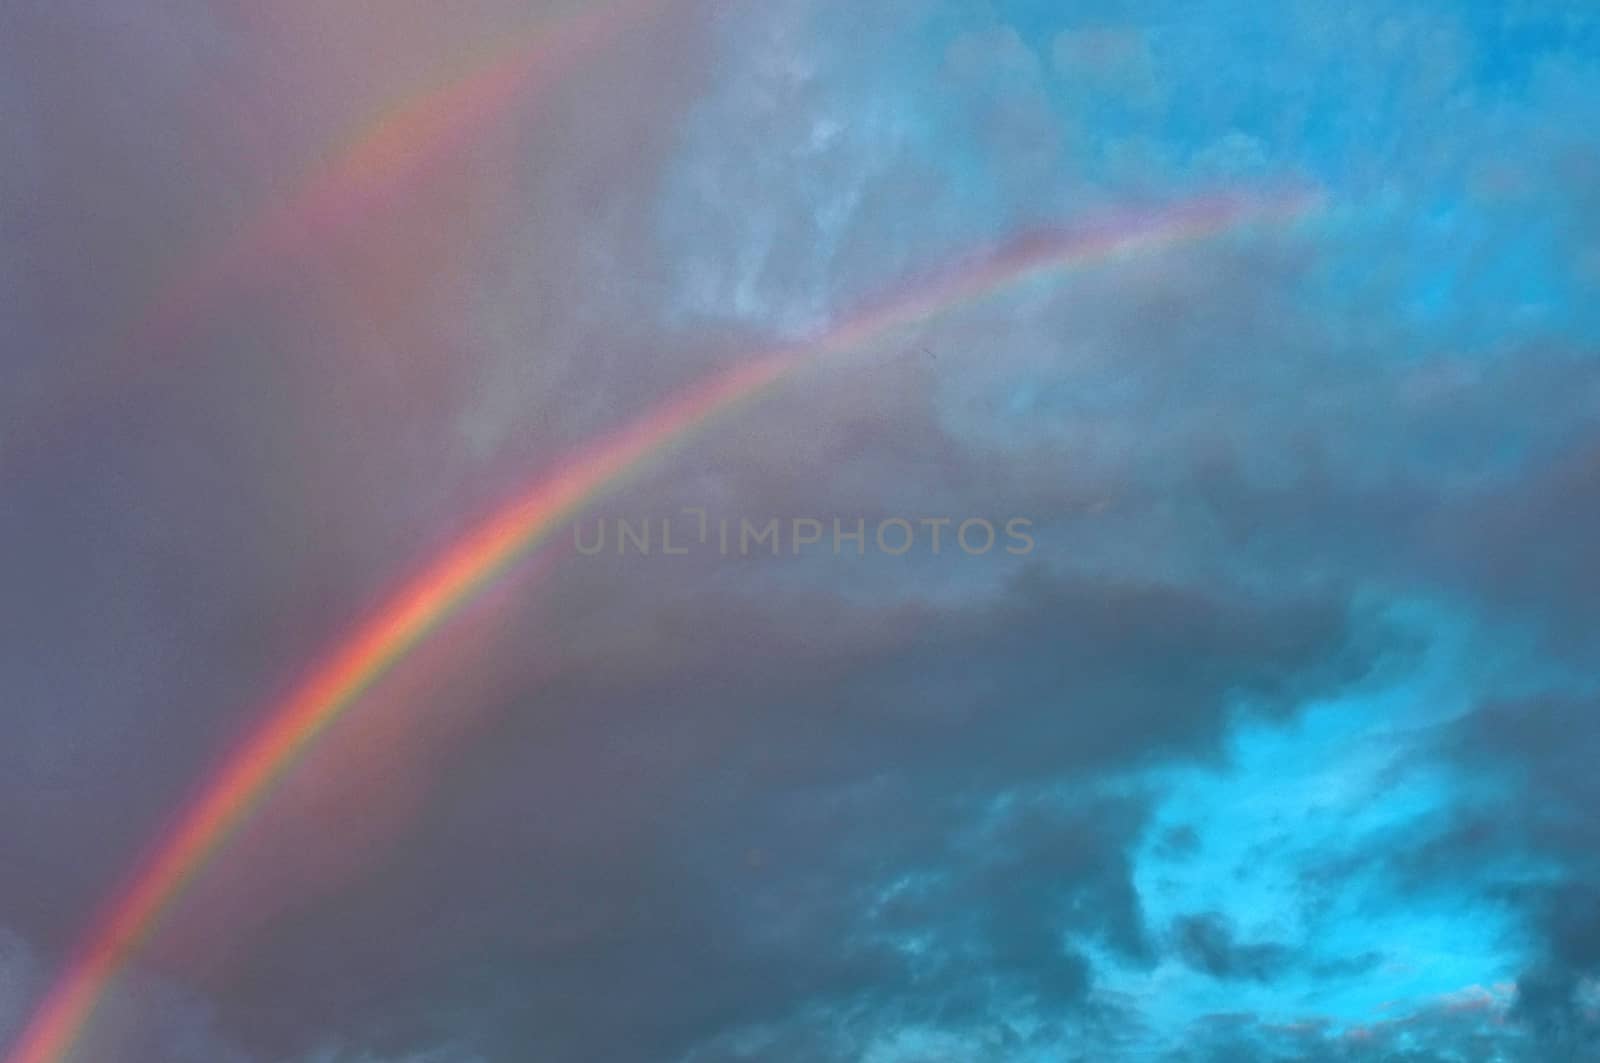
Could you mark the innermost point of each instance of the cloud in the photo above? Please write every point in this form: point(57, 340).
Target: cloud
point(142, 1019)
point(1276, 746)
point(852, 821)
point(1207, 943)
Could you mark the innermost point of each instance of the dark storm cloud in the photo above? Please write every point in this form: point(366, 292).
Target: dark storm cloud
point(906, 831)
point(1547, 746)
point(1206, 942)
point(1530, 546)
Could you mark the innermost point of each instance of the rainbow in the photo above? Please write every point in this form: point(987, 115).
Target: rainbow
point(441, 588)
point(373, 163)
point(403, 140)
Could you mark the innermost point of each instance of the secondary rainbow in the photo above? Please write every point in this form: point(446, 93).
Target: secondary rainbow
point(402, 140)
point(373, 163)
point(437, 591)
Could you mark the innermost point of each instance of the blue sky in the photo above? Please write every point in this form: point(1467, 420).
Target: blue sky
point(1276, 747)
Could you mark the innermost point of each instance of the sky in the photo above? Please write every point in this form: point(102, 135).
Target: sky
point(1275, 743)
